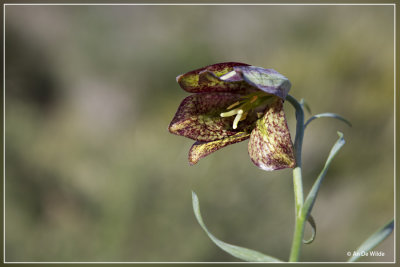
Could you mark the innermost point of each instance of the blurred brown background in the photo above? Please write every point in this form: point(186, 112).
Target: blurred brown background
point(92, 173)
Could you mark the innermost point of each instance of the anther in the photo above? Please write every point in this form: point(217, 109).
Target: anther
point(254, 98)
point(233, 105)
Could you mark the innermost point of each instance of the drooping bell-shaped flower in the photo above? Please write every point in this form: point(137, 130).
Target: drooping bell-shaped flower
point(232, 102)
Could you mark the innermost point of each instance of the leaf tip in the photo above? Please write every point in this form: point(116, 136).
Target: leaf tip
point(194, 196)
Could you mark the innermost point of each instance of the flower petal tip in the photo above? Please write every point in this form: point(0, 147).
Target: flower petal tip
point(192, 161)
point(195, 153)
point(178, 78)
point(274, 167)
point(175, 127)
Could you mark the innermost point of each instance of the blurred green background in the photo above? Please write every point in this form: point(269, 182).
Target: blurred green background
point(92, 173)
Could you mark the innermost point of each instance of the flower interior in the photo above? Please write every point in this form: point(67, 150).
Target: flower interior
point(249, 103)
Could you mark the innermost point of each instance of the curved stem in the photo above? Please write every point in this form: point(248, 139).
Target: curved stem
point(298, 182)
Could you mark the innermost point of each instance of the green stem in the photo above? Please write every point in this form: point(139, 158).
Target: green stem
point(297, 239)
point(298, 182)
point(298, 189)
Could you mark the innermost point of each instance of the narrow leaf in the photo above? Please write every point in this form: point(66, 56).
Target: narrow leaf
point(236, 251)
point(309, 203)
point(311, 221)
point(304, 104)
point(327, 115)
point(373, 240)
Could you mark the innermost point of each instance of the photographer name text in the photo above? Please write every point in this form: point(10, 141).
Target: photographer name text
point(366, 253)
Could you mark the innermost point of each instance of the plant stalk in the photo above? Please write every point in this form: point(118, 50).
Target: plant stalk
point(297, 239)
point(298, 183)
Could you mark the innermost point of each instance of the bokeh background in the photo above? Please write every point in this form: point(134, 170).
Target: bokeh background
point(92, 173)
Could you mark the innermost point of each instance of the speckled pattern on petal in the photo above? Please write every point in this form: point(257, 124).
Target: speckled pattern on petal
point(201, 149)
point(270, 146)
point(217, 89)
point(206, 79)
point(198, 117)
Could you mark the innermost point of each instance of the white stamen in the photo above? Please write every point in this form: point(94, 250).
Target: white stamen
point(230, 113)
point(237, 118)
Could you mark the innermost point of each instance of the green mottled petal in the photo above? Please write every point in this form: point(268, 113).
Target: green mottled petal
point(267, 80)
point(270, 146)
point(201, 149)
point(198, 117)
point(206, 79)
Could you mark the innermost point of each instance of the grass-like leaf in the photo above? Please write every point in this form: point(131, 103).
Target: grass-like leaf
point(236, 251)
point(310, 200)
point(313, 225)
point(373, 240)
point(304, 104)
point(327, 115)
